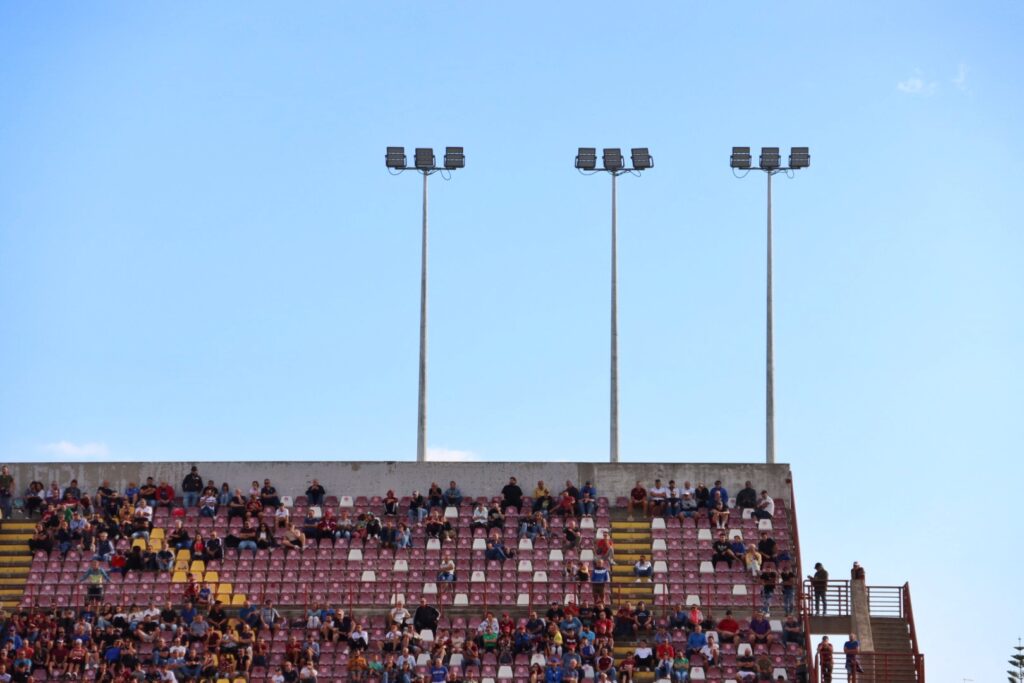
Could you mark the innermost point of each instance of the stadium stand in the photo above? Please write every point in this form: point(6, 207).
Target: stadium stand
point(200, 580)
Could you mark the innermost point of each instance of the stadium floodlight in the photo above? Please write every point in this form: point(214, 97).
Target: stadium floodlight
point(799, 157)
point(614, 165)
point(426, 165)
point(740, 158)
point(771, 164)
point(586, 158)
point(612, 159)
point(424, 158)
point(770, 158)
point(395, 158)
point(454, 158)
point(642, 159)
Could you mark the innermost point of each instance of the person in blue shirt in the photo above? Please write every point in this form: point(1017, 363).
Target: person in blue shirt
point(598, 578)
point(587, 503)
point(696, 641)
point(438, 672)
point(553, 671)
point(452, 495)
point(721, 490)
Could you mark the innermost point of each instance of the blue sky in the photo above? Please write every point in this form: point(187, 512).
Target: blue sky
point(203, 257)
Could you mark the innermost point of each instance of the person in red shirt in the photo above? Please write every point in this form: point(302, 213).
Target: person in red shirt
point(165, 494)
point(637, 499)
point(729, 629)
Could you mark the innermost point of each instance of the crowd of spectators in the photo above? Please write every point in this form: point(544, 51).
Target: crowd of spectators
point(198, 640)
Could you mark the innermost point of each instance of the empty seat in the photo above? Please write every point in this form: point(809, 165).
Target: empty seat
point(369, 575)
point(739, 589)
point(478, 577)
point(764, 525)
point(523, 600)
point(460, 600)
point(401, 566)
point(703, 534)
point(692, 600)
point(451, 512)
point(658, 523)
point(540, 577)
point(555, 555)
point(505, 673)
point(430, 588)
point(586, 555)
point(479, 544)
point(706, 567)
point(346, 502)
point(525, 566)
point(286, 501)
point(659, 544)
point(587, 523)
point(525, 544)
point(355, 555)
point(697, 673)
point(433, 544)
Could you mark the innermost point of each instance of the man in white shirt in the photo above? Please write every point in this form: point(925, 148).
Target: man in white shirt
point(643, 569)
point(765, 507)
point(399, 614)
point(656, 497)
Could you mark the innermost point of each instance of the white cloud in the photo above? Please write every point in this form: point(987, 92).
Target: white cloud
point(443, 454)
point(960, 80)
point(917, 85)
point(67, 449)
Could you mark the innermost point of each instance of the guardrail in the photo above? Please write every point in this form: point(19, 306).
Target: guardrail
point(878, 667)
point(836, 595)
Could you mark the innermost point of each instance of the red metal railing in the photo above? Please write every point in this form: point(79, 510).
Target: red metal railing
point(837, 598)
point(885, 601)
point(881, 667)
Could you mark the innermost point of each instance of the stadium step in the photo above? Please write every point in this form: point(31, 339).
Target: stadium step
point(15, 561)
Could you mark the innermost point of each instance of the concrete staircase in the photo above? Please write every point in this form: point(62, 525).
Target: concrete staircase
point(15, 560)
point(892, 637)
point(631, 539)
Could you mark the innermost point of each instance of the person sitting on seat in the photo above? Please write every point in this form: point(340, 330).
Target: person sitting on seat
point(643, 569)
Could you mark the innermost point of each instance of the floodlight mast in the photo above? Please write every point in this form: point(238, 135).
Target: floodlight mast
point(770, 163)
point(614, 165)
point(425, 164)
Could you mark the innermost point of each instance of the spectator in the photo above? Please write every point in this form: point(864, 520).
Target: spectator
point(390, 504)
point(819, 583)
point(718, 513)
point(512, 495)
point(191, 487)
point(673, 499)
point(643, 569)
point(165, 494)
point(208, 505)
point(599, 578)
point(696, 641)
point(268, 496)
point(746, 499)
point(587, 503)
point(657, 498)
point(765, 507)
point(721, 551)
point(687, 505)
point(857, 572)
point(7, 489)
point(417, 508)
point(452, 495)
point(637, 499)
point(752, 559)
point(643, 656)
point(425, 617)
point(495, 517)
point(447, 569)
point(479, 519)
point(788, 579)
point(702, 495)
point(723, 494)
point(769, 580)
point(823, 659)
point(315, 494)
point(541, 498)
point(767, 547)
point(851, 649)
point(95, 577)
point(605, 548)
point(729, 629)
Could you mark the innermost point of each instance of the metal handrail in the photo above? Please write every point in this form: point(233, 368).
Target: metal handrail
point(838, 602)
point(885, 601)
point(913, 631)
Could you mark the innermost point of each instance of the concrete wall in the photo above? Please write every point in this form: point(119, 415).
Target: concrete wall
point(374, 478)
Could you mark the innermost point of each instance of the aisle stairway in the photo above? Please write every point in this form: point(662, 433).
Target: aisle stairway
point(632, 539)
point(15, 560)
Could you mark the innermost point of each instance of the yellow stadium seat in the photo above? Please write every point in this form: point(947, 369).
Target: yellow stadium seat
point(179, 577)
point(139, 543)
point(212, 577)
point(223, 680)
point(181, 565)
point(185, 554)
point(237, 600)
point(198, 566)
point(224, 588)
point(157, 534)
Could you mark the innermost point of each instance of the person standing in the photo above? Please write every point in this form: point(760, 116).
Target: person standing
point(819, 583)
point(823, 660)
point(6, 491)
point(851, 649)
point(191, 487)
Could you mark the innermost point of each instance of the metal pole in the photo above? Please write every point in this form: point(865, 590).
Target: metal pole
point(770, 361)
point(421, 419)
point(614, 446)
